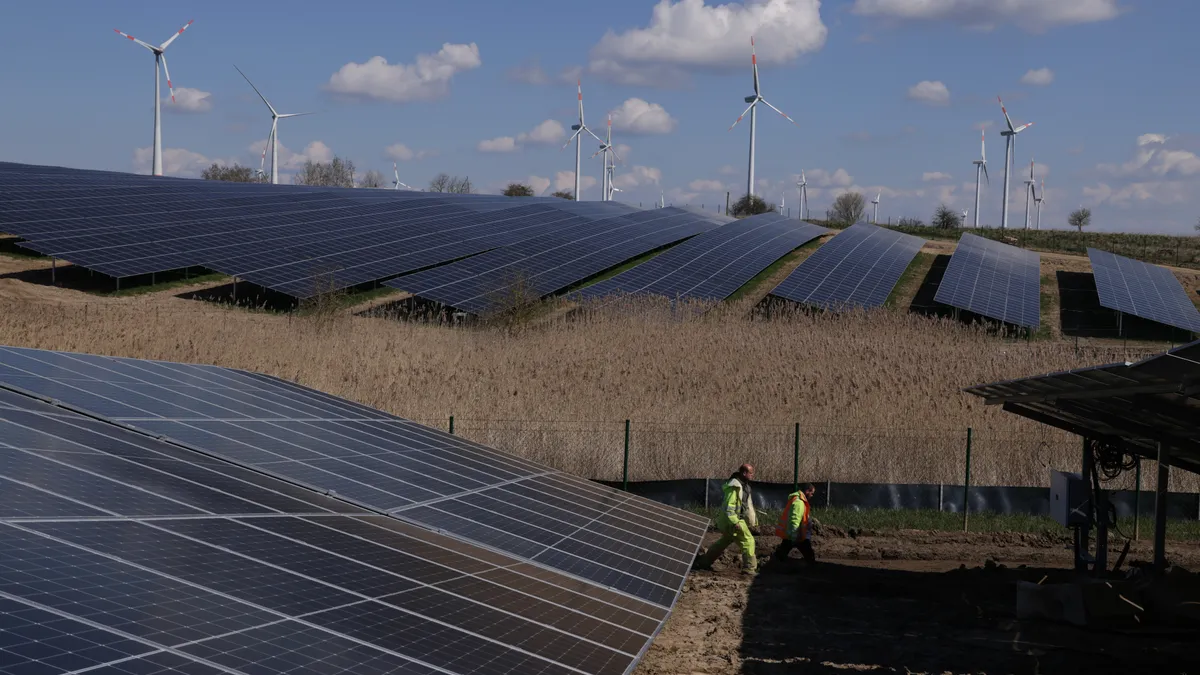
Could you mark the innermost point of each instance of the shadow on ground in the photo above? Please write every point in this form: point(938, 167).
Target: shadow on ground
point(1082, 315)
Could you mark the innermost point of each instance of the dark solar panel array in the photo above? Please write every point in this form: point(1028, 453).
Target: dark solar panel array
point(857, 268)
point(297, 240)
point(126, 550)
point(995, 280)
point(547, 264)
point(1144, 290)
point(714, 264)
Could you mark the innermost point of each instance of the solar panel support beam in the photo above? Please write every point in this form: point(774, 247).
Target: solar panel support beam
point(1160, 508)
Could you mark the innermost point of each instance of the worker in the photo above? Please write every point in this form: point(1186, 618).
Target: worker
point(734, 521)
point(796, 524)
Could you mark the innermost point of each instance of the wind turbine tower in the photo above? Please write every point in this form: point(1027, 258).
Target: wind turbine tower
point(273, 138)
point(578, 138)
point(1029, 192)
point(803, 185)
point(1010, 134)
point(980, 168)
point(875, 205)
point(160, 58)
point(1039, 198)
point(610, 164)
point(753, 110)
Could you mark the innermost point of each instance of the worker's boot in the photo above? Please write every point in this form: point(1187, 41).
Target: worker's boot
point(749, 565)
point(703, 561)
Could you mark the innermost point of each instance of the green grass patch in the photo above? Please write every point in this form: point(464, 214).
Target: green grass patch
point(910, 282)
point(754, 286)
point(614, 271)
point(172, 280)
point(1046, 299)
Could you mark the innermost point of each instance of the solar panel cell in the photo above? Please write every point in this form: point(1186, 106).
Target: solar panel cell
point(995, 280)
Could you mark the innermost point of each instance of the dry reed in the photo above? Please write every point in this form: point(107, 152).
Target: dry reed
point(877, 393)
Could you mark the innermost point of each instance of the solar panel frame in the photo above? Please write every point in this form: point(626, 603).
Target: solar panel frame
point(1143, 290)
point(995, 280)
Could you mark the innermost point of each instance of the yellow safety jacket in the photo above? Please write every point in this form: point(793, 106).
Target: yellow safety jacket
point(794, 522)
point(737, 505)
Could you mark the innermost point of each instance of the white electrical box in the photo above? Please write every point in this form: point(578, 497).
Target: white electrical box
point(1069, 498)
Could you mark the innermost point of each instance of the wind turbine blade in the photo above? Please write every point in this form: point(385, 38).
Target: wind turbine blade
point(1023, 127)
point(171, 39)
point(609, 128)
point(168, 72)
point(985, 175)
point(126, 35)
point(754, 64)
point(615, 155)
point(295, 114)
point(1005, 111)
point(602, 149)
point(264, 98)
point(579, 84)
point(739, 119)
point(593, 135)
point(768, 104)
point(983, 146)
point(568, 143)
point(262, 163)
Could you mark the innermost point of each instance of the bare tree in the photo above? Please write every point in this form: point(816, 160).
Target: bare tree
point(1080, 218)
point(234, 174)
point(372, 179)
point(517, 190)
point(751, 205)
point(460, 186)
point(563, 194)
point(336, 173)
point(946, 219)
point(444, 182)
point(848, 208)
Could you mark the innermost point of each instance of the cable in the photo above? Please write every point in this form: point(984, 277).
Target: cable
point(1110, 460)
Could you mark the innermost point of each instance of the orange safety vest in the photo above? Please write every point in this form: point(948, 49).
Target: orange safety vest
point(781, 528)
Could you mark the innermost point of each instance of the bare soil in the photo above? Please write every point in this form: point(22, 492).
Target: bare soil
point(906, 602)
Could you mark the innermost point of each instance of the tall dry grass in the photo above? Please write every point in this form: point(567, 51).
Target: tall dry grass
point(877, 393)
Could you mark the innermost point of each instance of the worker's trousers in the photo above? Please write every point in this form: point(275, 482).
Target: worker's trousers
point(805, 548)
point(738, 533)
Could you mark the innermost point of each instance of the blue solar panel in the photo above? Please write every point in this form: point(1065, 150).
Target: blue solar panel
point(714, 264)
point(1143, 290)
point(857, 268)
point(995, 280)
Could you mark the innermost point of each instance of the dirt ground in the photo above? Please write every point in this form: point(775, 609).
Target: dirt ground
point(907, 602)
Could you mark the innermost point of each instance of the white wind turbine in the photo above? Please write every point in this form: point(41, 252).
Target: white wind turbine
point(875, 205)
point(753, 110)
point(662, 199)
point(610, 164)
point(803, 185)
point(980, 168)
point(397, 183)
point(273, 138)
point(159, 57)
point(1039, 198)
point(1010, 149)
point(578, 138)
point(1029, 192)
point(782, 203)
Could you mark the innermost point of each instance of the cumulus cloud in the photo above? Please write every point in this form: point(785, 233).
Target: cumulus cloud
point(427, 79)
point(498, 144)
point(1038, 78)
point(1156, 193)
point(1153, 157)
point(706, 185)
point(623, 151)
point(538, 183)
point(189, 101)
point(637, 176)
point(822, 178)
point(402, 153)
point(931, 176)
point(690, 35)
point(929, 92)
point(532, 72)
point(290, 160)
point(565, 180)
point(548, 132)
point(1029, 15)
point(175, 161)
point(636, 116)
point(1151, 139)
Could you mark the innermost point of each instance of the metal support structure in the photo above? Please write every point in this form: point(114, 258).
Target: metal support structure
point(967, 482)
point(53, 266)
point(1160, 508)
point(1083, 533)
point(796, 460)
point(1137, 501)
point(625, 464)
point(452, 425)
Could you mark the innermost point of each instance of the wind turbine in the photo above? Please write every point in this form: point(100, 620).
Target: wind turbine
point(753, 110)
point(610, 164)
point(159, 58)
point(273, 138)
point(397, 183)
point(1039, 199)
point(662, 199)
point(803, 185)
point(578, 138)
point(875, 203)
point(1029, 192)
point(1010, 148)
point(782, 202)
point(964, 216)
point(980, 168)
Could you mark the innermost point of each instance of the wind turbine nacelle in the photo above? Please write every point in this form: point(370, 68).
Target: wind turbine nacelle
point(574, 127)
point(751, 99)
point(1007, 133)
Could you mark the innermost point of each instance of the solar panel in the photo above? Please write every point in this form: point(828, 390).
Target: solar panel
point(540, 266)
point(995, 280)
point(123, 550)
point(714, 264)
point(1144, 290)
point(857, 268)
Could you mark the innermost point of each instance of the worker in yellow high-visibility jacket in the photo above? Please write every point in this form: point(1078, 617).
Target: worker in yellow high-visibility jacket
point(734, 521)
point(796, 526)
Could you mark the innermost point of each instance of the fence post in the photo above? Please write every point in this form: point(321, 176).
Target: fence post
point(452, 425)
point(967, 482)
point(625, 470)
point(796, 461)
point(1137, 500)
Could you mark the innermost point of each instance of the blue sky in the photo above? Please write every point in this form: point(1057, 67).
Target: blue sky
point(487, 90)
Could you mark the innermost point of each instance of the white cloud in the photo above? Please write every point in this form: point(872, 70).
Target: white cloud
point(623, 151)
point(1153, 158)
point(728, 170)
point(1039, 77)
point(930, 176)
point(548, 132)
point(637, 176)
point(929, 92)
point(1151, 139)
point(636, 116)
point(565, 180)
point(498, 144)
point(677, 196)
point(538, 183)
point(402, 153)
point(690, 35)
point(427, 79)
point(175, 161)
point(289, 160)
point(705, 185)
point(1157, 193)
point(189, 101)
point(823, 178)
point(1030, 15)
